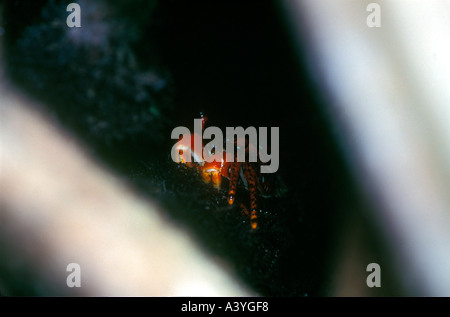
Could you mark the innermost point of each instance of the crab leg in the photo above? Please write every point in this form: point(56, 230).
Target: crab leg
point(234, 178)
point(250, 176)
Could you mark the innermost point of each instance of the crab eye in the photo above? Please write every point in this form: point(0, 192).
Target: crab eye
point(231, 199)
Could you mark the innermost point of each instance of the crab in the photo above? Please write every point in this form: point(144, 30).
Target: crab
point(214, 172)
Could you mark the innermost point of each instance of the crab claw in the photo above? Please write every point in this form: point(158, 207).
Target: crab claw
point(211, 173)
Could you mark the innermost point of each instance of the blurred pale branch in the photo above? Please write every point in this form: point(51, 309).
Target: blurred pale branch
point(387, 96)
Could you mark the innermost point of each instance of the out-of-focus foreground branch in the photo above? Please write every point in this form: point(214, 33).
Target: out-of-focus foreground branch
point(388, 98)
point(58, 207)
